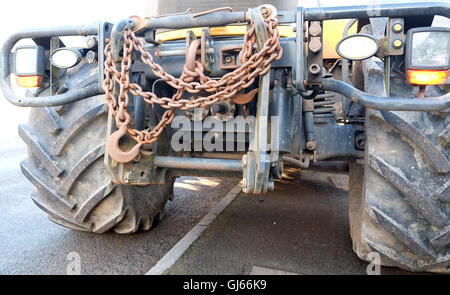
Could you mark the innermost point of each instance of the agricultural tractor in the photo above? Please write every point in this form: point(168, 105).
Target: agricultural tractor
point(245, 92)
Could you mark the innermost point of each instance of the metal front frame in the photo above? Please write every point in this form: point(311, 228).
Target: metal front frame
point(212, 19)
point(256, 163)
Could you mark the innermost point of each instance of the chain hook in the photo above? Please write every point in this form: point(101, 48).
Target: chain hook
point(114, 150)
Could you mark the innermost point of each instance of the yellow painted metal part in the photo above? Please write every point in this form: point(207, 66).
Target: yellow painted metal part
point(285, 31)
point(332, 32)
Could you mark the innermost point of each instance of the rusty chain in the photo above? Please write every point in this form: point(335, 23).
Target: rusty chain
point(192, 80)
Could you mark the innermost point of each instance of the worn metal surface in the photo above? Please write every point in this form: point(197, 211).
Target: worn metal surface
point(300, 51)
point(223, 48)
point(379, 10)
point(314, 62)
point(218, 18)
point(198, 163)
point(334, 141)
point(253, 65)
point(256, 171)
point(281, 113)
point(308, 113)
point(393, 35)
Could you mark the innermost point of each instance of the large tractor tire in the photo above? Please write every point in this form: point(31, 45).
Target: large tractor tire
point(400, 198)
point(66, 165)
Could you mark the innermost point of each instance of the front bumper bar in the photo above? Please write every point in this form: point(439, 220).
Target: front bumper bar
point(440, 103)
point(222, 18)
point(55, 100)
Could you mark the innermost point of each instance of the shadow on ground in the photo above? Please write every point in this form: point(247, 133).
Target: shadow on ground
point(301, 227)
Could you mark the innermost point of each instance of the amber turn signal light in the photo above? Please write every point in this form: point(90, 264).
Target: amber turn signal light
point(29, 81)
point(427, 77)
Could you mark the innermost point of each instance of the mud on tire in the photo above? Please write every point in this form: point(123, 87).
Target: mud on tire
point(65, 164)
point(400, 199)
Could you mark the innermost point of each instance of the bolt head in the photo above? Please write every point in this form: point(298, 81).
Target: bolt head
point(397, 43)
point(127, 177)
point(314, 44)
point(397, 28)
point(310, 145)
point(91, 57)
point(91, 42)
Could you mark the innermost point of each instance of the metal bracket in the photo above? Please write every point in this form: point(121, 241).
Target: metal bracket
point(300, 56)
point(314, 60)
point(229, 57)
point(190, 36)
point(395, 37)
point(257, 161)
point(206, 50)
point(141, 171)
point(55, 43)
point(150, 37)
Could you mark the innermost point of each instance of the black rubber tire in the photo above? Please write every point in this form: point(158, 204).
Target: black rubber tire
point(65, 164)
point(400, 199)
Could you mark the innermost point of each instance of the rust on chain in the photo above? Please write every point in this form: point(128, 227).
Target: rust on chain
point(192, 80)
point(191, 54)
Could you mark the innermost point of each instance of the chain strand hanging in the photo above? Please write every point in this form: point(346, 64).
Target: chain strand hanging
point(192, 81)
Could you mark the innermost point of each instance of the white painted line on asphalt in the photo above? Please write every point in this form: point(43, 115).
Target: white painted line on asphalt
point(177, 251)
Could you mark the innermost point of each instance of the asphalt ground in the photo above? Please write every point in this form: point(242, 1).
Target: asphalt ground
point(302, 227)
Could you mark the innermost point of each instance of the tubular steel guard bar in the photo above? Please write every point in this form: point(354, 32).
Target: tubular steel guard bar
point(377, 10)
point(198, 163)
point(366, 11)
point(55, 100)
point(387, 103)
point(219, 18)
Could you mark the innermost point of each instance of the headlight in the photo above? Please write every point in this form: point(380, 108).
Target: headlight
point(65, 57)
point(427, 59)
point(357, 47)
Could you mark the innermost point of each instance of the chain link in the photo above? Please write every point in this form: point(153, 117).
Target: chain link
point(191, 81)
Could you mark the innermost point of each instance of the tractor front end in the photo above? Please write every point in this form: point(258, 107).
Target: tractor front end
point(245, 94)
